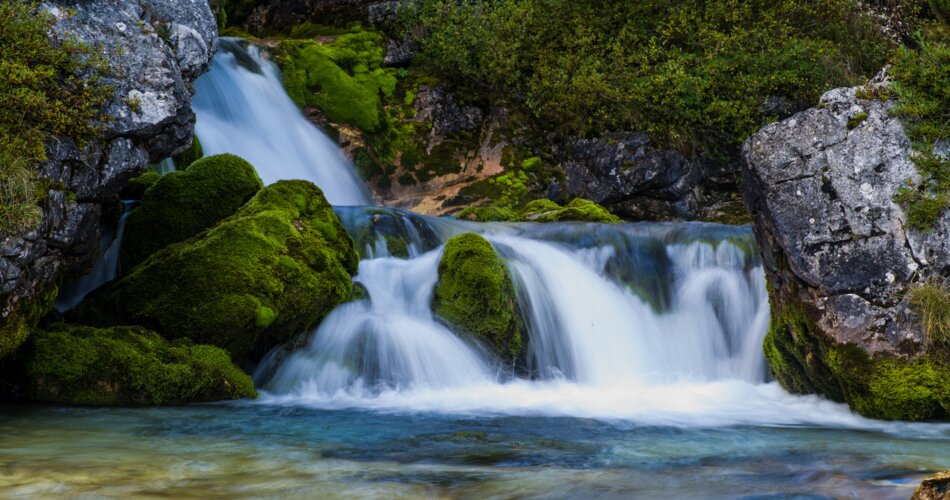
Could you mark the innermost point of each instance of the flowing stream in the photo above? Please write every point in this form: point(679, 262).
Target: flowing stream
point(643, 376)
point(242, 109)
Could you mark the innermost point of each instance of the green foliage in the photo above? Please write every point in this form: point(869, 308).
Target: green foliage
point(127, 366)
point(194, 153)
point(49, 86)
point(922, 84)
point(284, 250)
point(475, 294)
point(805, 361)
point(856, 120)
point(182, 204)
point(136, 187)
point(343, 78)
point(542, 210)
point(16, 326)
point(689, 72)
point(931, 301)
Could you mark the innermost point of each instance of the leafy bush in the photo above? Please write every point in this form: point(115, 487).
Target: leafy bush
point(922, 85)
point(48, 87)
point(692, 73)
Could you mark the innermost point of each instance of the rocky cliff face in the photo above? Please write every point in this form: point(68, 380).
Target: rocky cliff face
point(155, 49)
point(840, 259)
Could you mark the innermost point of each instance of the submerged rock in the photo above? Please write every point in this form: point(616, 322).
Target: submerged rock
point(841, 259)
point(475, 295)
point(81, 365)
point(935, 487)
point(181, 204)
point(272, 270)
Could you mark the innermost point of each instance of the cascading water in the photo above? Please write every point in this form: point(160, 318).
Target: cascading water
point(601, 343)
point(242, 109)
point(103, 271)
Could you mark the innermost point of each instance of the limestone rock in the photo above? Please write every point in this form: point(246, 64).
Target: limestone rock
point(840, 259)
point(154, 48)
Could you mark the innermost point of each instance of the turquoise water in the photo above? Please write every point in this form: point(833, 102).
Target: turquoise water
point(259, 450)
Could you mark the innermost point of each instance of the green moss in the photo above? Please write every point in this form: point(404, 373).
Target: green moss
point(856, 120)
point(490, 213)
point(284, 250)
point(577, 210)
point(194, 153)
point(181, 204)
point(136, 187)
point(886, 387)
point(127, 366)
point(16, 326)
point(343, 78)
point(475, 295)
point(397, 246)
point(542, 210)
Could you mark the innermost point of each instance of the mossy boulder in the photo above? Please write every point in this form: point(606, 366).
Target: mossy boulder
point(475, 295)
point(272, 270)
point(136, 187)
point(542, 210)
point(15, 328)
point(194, 153)
point(182, 204)
point(882, 386)
point(127, 366)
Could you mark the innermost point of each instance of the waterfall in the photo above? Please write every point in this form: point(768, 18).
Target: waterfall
point(242, 109)
point(103, 271)
point(604, 340)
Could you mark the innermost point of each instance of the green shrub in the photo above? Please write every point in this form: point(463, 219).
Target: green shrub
point(922, 85)
point(692, 73)
point(182, 204)
point(49, 86)
point(127, 366)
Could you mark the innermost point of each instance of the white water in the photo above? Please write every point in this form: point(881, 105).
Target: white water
point(103, 271)
point(596, 348)
point(247, 113)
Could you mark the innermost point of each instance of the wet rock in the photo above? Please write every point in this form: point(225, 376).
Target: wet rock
point(935, 487)
point(626, 173)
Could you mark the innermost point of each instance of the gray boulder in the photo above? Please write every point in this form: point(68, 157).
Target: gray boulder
point(840, 258)
point(155, 49)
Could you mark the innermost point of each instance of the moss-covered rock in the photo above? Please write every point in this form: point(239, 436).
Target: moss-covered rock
point(194, 153)
point(127, 366)
point(542, 210)
point(272, 270)
point(342, 78)
point(15, 328)
point(884, 386)
point(181, 204)
point(136, 187)
point(475, 295)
